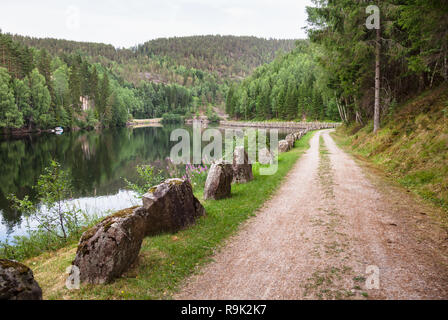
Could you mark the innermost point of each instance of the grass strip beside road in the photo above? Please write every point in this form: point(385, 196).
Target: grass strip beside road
point(167, 260)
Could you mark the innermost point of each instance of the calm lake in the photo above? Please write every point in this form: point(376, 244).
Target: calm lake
point(97, 161)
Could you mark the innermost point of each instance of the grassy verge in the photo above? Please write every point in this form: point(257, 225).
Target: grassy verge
point(412, 146)
point(428, 187)
point(165, 261)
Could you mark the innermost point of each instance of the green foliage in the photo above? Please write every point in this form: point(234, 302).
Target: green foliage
point(10, 116)
point(160, 98)
point(40, 100)
point(53, 188)
point(196, 74)
point(197, 175)
point(58, 223)
point(413, 55)
point(289, 88)
point(172, 118)
point(148, 177)
point(212, 116)
point(164, 76)
point(180, 255)
point(60, 84)
point(227, 55)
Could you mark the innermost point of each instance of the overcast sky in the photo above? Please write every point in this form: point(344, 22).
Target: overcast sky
point(125, 23)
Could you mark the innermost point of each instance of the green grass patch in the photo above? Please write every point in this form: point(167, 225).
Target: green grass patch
point(166, 260)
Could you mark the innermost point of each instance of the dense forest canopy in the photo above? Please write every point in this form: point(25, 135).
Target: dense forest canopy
point(343, 71)
point(332, 77)
point(410, 49)
point(229, 56)
point(50, 82)
point(290, 88)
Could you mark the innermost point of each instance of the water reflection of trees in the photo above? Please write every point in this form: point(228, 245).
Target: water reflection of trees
point(97, 161)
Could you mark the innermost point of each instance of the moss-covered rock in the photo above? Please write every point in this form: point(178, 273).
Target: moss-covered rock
point(107, 250)
point(17, 282)
point(284, 146)
point(170, 207)
point(242, 168)
point(219, 181)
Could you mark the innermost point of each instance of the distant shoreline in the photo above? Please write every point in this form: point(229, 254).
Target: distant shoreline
point(139, 123)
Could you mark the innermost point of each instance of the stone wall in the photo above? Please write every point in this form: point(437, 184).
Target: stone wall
point(282, 125)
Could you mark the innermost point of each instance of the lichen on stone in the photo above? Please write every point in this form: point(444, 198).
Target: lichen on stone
point(106, 223)
point(121, 214)
point(6, 264)
point(88, 234)
point(176, 182)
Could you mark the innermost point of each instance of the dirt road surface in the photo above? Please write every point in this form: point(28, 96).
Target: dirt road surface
point(334, 230)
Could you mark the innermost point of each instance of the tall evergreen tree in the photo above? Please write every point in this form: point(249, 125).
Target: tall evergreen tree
point(291, 101)
point(75, 89)
point(40, 101)
point(103, 107)
point(10, 116)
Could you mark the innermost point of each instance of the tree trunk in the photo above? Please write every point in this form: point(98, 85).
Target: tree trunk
point(376, 121)
point(445, 71)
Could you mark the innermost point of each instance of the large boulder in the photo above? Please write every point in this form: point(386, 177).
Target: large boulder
point(291, 140)
point(170, 207)
point(283, 146)
point(110, 248)
point(298, 135)
point(107, 250)
point(242, 169)
point(219, 181)
point(17, 282)
point(265, 157)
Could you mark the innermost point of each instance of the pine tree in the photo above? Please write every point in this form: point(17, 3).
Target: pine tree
point(291, 102)
point(40, 101)
point(93, 81)
point(10, 116)
point(229, 101)
point(44, 67)
point(61, 86)
point(75, 89)
point(103, 108)
point(281, 102)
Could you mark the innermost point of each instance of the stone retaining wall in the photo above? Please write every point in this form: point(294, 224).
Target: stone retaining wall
point(282, 125)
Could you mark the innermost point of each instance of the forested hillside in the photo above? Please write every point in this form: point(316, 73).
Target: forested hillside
point(61, 46)
point(49, 82)
point(41, 91)
point(293, 87)
point(343, 71)
point(406, 55)
point(229, 56)
point(334, 76)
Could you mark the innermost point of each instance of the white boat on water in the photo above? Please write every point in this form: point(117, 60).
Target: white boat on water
point(58, 130)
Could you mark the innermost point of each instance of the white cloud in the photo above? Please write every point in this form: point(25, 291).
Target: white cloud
point(128, 22)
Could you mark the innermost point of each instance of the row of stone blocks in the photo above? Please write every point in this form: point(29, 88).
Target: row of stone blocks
point(288, 143)
point(110, 248)
point(283, 125)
